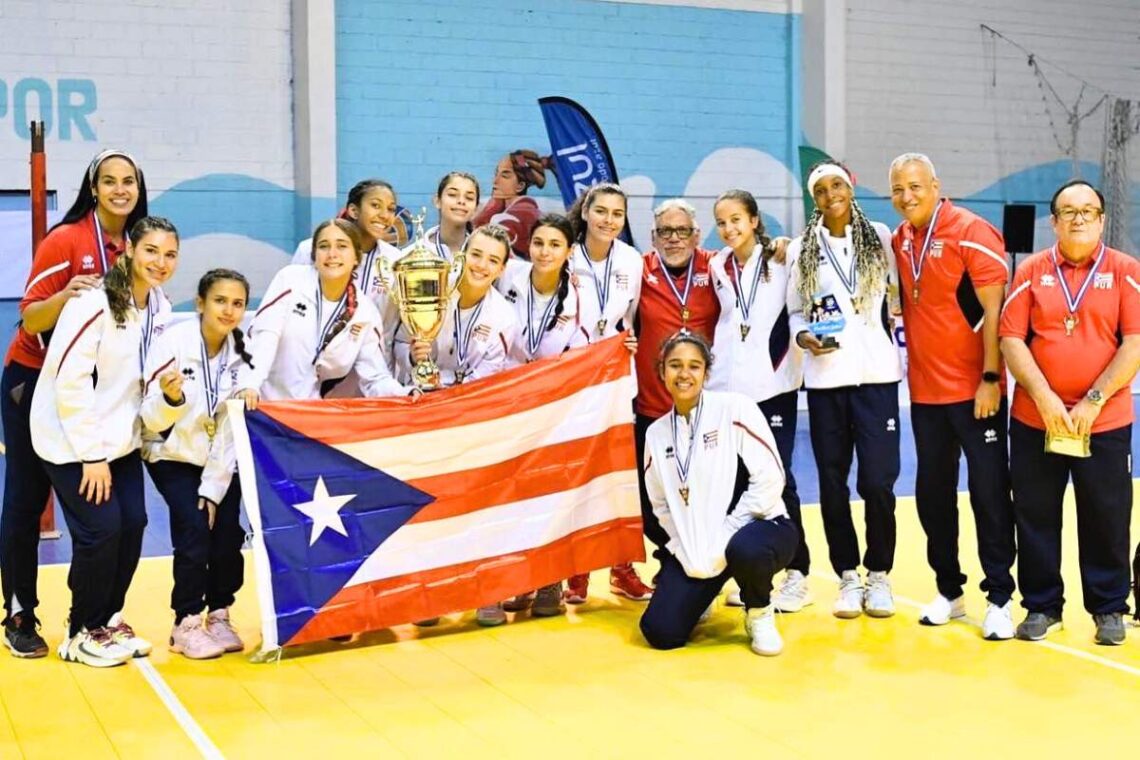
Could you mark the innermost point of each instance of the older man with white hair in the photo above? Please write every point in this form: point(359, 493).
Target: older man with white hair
point(953, 270)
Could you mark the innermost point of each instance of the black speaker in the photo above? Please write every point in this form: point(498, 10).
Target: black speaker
point(1017, 223)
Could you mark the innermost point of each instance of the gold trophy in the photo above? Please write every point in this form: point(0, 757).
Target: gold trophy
point(418, 284)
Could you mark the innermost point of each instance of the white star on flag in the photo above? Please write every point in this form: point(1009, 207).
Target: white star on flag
point(324, 511)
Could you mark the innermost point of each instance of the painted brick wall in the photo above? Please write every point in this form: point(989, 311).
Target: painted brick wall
point(424, 88)
point(198, 90)
point(922, 75)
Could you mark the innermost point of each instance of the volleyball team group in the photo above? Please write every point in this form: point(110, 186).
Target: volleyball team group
point(99, 383)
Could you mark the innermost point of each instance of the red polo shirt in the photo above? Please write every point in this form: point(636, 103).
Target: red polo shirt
point(67, 251)
point(945, 354)
point(659, 318)
point(1035, 311)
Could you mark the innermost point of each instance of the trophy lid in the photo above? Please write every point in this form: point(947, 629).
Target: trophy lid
point(421, 255)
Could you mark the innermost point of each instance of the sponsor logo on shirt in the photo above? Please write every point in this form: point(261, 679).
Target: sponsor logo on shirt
point(891, 425)
point(482, 332)
point(188, 373)
point(300, 308)
point(710, 440)
point(701, 280)
point(88, 262)
point(777, 421)
point(652, 279)
point(1048, 280)
point(512, 295)
point(1103, 281)
point(621, 279)
point(668, 452)
point(991, 436)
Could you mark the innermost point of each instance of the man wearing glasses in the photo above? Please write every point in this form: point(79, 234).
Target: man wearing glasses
point(952, 269)
point(1070, 331)
point(676, 294)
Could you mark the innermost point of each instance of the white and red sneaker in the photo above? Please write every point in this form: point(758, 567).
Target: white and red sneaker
point(624, 581)
point(125, 636)
point(577, 588)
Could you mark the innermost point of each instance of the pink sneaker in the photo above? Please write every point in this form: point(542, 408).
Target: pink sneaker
point(221, 630)
point(190, 638)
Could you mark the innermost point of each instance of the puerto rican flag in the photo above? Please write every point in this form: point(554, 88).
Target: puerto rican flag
point(369, 513)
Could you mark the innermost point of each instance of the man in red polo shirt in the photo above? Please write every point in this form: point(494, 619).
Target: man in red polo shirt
point(952, 269)
point(676, 293)
point(1070, 331)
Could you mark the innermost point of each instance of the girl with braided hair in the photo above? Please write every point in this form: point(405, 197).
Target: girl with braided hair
point(509, 207)
point(188, 449)
point(842, 273)
point(86, 429)
point(313, 328)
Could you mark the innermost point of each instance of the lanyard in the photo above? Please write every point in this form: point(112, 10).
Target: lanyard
point(601, 287)
point(738, 286)
point(365, 271)
point(102, 246)
point(323, 328)
point(1074, 302)
point(683, 464)
point(441, 248)
point(534, 334)
point(918, 259)
point(213, 382)
point(848, 277)
point(149, 312)
point(682, 298)
point(463, 336)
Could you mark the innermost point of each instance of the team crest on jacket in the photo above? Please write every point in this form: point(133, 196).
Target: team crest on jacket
point(1103, 281)
point(88, 262)
point(668, 452)
point(777, 421)
point(482, 332)
point(710, 440)
point(1048, 280)
point(621, 279)
point(936, 249)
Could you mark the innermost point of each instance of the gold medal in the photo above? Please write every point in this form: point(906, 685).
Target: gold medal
point(684, 491)
point(211, 428)
point(601, 326)
point(1070, 324)
point(915, 293)
point(685, 314)
point(460, 374)
point(744, 330)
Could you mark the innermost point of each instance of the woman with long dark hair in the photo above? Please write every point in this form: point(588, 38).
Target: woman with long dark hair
point(73, 258)
point(86, 429)
point(509, 206)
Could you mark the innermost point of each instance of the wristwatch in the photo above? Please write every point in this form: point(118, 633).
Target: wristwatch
point(1095, 397)
point(991, 377)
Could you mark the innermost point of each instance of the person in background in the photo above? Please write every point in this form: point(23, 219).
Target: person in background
point(509, 207)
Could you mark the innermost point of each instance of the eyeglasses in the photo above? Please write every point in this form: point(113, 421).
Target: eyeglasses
point(1089, 214)
point(682, 233)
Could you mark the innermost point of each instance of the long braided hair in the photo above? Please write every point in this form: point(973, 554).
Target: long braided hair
point(767, 248)
point(117, 282)
point(562, 224)
point(207, 282)
point(350, 302)
point(870, 259)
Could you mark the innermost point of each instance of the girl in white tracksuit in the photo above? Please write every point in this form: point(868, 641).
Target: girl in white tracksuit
point(607, 272)
point(547, 306)
point(842, 276)
point(313, 328)
point(188, 448)
point(755, 353)
point(691, 457)
point(479, 325)
point(85, 426)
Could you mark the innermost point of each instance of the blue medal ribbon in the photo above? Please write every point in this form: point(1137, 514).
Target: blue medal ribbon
point(533, 334)
point(683, 465)
point(847, 278)
point(601, 287)
point(463, 337)
point(683, 299)
point(1071, 301)
point(324, 327)
point(101, 246)
point(918, 259)
point(737, 286)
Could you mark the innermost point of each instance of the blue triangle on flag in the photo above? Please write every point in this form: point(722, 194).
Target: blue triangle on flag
point(288, 463)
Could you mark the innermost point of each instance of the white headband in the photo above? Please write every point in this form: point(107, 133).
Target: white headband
point(828, 170)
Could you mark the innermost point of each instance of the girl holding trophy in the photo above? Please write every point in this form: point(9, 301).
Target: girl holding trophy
point(755, 355)
point(844, 286)
point(313, 327)
point(190, 372)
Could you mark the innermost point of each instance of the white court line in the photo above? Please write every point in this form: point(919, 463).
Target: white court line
point(1063, 649)
point(205, 746)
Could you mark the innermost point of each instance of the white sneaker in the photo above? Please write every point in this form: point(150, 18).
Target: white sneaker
point(125, 637)
point(941, 610)
point(732, 599)
point(761, 626)
point(95, 648)
point(879, 603)
point(849, 603)
point(793, 594)
point(998, 624)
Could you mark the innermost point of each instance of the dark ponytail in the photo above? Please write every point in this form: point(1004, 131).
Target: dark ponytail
point(117, 282)
point(207, 281)
point(763, 241)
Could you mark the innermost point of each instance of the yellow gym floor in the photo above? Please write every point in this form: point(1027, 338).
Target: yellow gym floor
point(586, 685)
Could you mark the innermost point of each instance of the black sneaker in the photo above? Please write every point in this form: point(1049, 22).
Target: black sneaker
point(22, 636)
point(1109, 628)
point(1038, 625)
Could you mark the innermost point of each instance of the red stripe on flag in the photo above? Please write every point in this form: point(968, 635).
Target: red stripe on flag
point(490, 398)
point(466, 586)
point(536, 473)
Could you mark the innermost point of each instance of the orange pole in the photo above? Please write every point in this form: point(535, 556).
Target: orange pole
point(39, 231)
